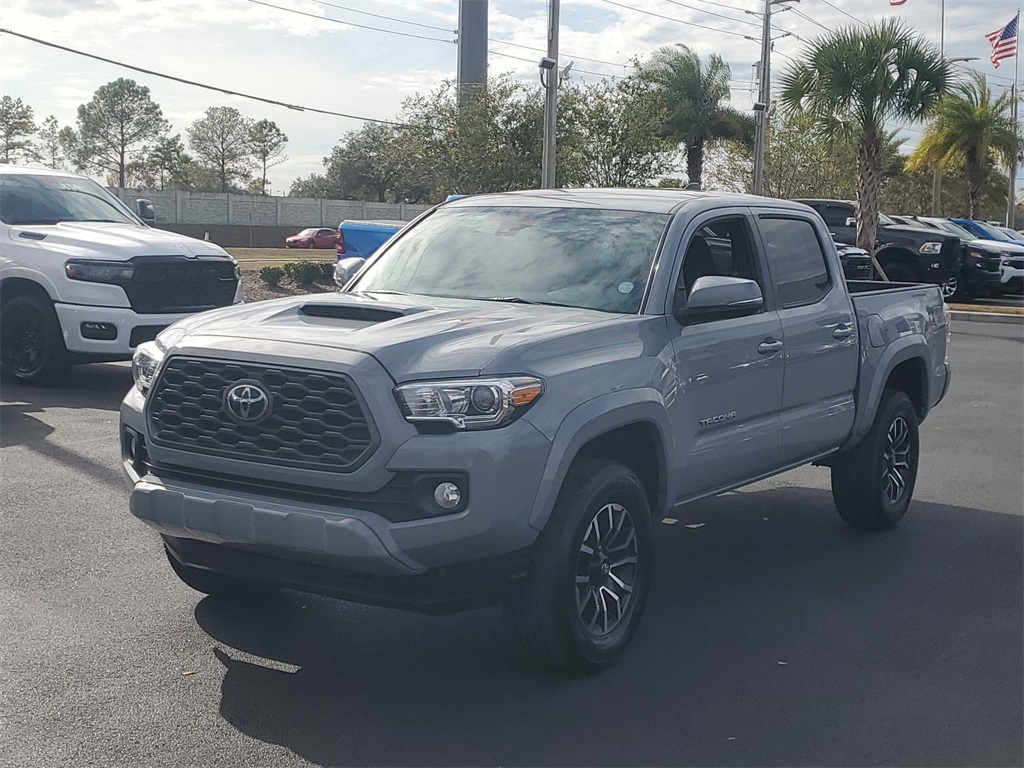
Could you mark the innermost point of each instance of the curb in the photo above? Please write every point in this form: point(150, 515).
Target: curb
point(988, 317)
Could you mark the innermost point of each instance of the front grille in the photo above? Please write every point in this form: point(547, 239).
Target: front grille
point(1015, 263)
point(180, 284)
point(316, 420)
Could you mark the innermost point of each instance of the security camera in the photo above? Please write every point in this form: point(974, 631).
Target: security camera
point(760, 106)
point(547, 63)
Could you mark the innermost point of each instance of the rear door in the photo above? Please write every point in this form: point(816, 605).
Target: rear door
point(730, 370)
point(819, 334)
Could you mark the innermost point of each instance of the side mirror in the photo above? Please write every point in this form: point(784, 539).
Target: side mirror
point(716, 296)
point(346, 269)
point(851, 221)
point(146, 210)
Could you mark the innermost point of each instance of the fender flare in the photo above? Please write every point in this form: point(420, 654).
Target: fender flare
point(31, 276)
point(900, 351)
point(593, 419)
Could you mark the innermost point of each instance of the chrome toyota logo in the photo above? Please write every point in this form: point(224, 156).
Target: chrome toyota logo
point(247, 402)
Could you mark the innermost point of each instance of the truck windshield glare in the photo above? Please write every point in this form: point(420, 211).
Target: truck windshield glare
point(27, 199)
point(579, 257)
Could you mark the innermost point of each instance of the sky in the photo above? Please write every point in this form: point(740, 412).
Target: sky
point(321, 53)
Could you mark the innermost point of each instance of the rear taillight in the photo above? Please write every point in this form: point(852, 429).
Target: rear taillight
point(340, 247)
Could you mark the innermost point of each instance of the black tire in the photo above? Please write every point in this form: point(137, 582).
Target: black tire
point(32, 347)
point(557, 619)
point(216, 584)
point(900, 273)
point(873, 483)
point(311, 244)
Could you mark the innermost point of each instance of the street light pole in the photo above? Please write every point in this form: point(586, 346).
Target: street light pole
point(937, 170)
point(549, 67)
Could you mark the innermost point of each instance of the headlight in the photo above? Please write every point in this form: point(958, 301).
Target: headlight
point(469, 404)
point(145, 363)
point(931, 248)
point(99, 271)
point(977, 255)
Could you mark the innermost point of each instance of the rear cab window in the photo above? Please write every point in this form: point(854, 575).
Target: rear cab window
point(796, 260)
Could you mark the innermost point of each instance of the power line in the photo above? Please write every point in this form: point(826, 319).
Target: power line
point(379, 16)
point(811, 19)
point(350, 23)
point(296, 107)
point(831, 5)
point(567, 55)
point(678, 21)
point(712, 13)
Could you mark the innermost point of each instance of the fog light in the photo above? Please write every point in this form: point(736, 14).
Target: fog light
point(99, 331)
point(447, 495)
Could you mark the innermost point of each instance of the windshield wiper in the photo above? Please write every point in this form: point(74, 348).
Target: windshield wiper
point(512, 300)
point(106, 221)
point(29, 222)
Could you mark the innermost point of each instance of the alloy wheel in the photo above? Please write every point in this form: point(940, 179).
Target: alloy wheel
point(607, 570)
point(896, 460)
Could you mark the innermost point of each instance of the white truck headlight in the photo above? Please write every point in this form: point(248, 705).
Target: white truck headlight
point(145, 363)
point(931, 248)
point(469, 404)
point(99, 271)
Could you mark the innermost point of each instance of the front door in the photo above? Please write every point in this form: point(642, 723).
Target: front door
point(730, 371)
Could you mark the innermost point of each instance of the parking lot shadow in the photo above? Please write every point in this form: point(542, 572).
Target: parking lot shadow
point(100, 386)
point(774, 636)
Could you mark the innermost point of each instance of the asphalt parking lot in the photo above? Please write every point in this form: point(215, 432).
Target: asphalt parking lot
point(775, 635)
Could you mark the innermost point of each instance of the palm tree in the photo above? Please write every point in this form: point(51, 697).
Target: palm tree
point(972, 131)
point(858, 79)
point(693, 97)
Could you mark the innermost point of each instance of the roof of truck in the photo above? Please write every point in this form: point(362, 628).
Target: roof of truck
point(6, 168)
point(647, 200)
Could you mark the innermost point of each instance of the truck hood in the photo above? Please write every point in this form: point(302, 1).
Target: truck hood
point(919, 234)
point(997, 245)
point(413, 337)
point(113, 242)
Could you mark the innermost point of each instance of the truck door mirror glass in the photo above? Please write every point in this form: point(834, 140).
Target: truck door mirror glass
point(716, 296)
point(146, 210)
point(346, 269)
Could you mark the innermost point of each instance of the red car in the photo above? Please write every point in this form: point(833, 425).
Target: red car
point(313, 238)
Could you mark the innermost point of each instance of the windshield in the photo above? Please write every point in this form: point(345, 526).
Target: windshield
point(956, 229)
point(307, 233)
point(1011, 234)
point(991, 233)
point(579, 257)
point(44, 199)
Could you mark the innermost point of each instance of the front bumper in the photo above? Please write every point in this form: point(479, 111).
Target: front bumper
point(128, 328)
point(299, 518)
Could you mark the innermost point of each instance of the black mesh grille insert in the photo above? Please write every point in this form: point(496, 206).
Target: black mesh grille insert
point(179, 284)
point(316, 419)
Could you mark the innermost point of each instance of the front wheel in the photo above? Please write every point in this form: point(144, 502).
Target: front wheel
point(32, 347)
point(951, 290)
point(873, 483)
point(590, 572)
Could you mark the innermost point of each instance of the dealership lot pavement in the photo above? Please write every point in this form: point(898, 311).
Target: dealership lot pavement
point(775, 635)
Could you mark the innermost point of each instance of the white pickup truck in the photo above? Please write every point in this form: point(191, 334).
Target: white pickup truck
point(83, 279)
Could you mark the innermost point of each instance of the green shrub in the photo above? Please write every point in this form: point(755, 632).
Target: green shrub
point(272, 275)
point(307, 272)
point(328, 268)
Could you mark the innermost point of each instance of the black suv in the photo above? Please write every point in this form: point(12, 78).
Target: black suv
point(907, 254)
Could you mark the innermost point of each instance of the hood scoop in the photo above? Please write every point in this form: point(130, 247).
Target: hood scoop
point(350, 312)
point(32, 235)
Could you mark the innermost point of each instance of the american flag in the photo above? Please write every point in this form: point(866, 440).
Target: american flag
point(1004, 42)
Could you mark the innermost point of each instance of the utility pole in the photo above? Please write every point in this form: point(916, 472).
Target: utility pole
point(472, 52)
point(764, 95)
point(549, 67)
point(937, 170)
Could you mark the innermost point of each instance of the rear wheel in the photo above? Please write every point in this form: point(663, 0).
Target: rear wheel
point(873, 483)
point(32, 347)
point(589, 573)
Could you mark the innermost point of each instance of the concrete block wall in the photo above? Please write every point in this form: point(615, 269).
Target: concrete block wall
point(224, 208)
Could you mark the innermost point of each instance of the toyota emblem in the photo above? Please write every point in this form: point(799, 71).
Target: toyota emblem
point(247, 402)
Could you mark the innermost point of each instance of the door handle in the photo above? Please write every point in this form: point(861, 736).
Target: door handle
point(769, 347)
point(842, 331)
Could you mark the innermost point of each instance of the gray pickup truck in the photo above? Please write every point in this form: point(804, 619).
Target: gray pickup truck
point(505, 400)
